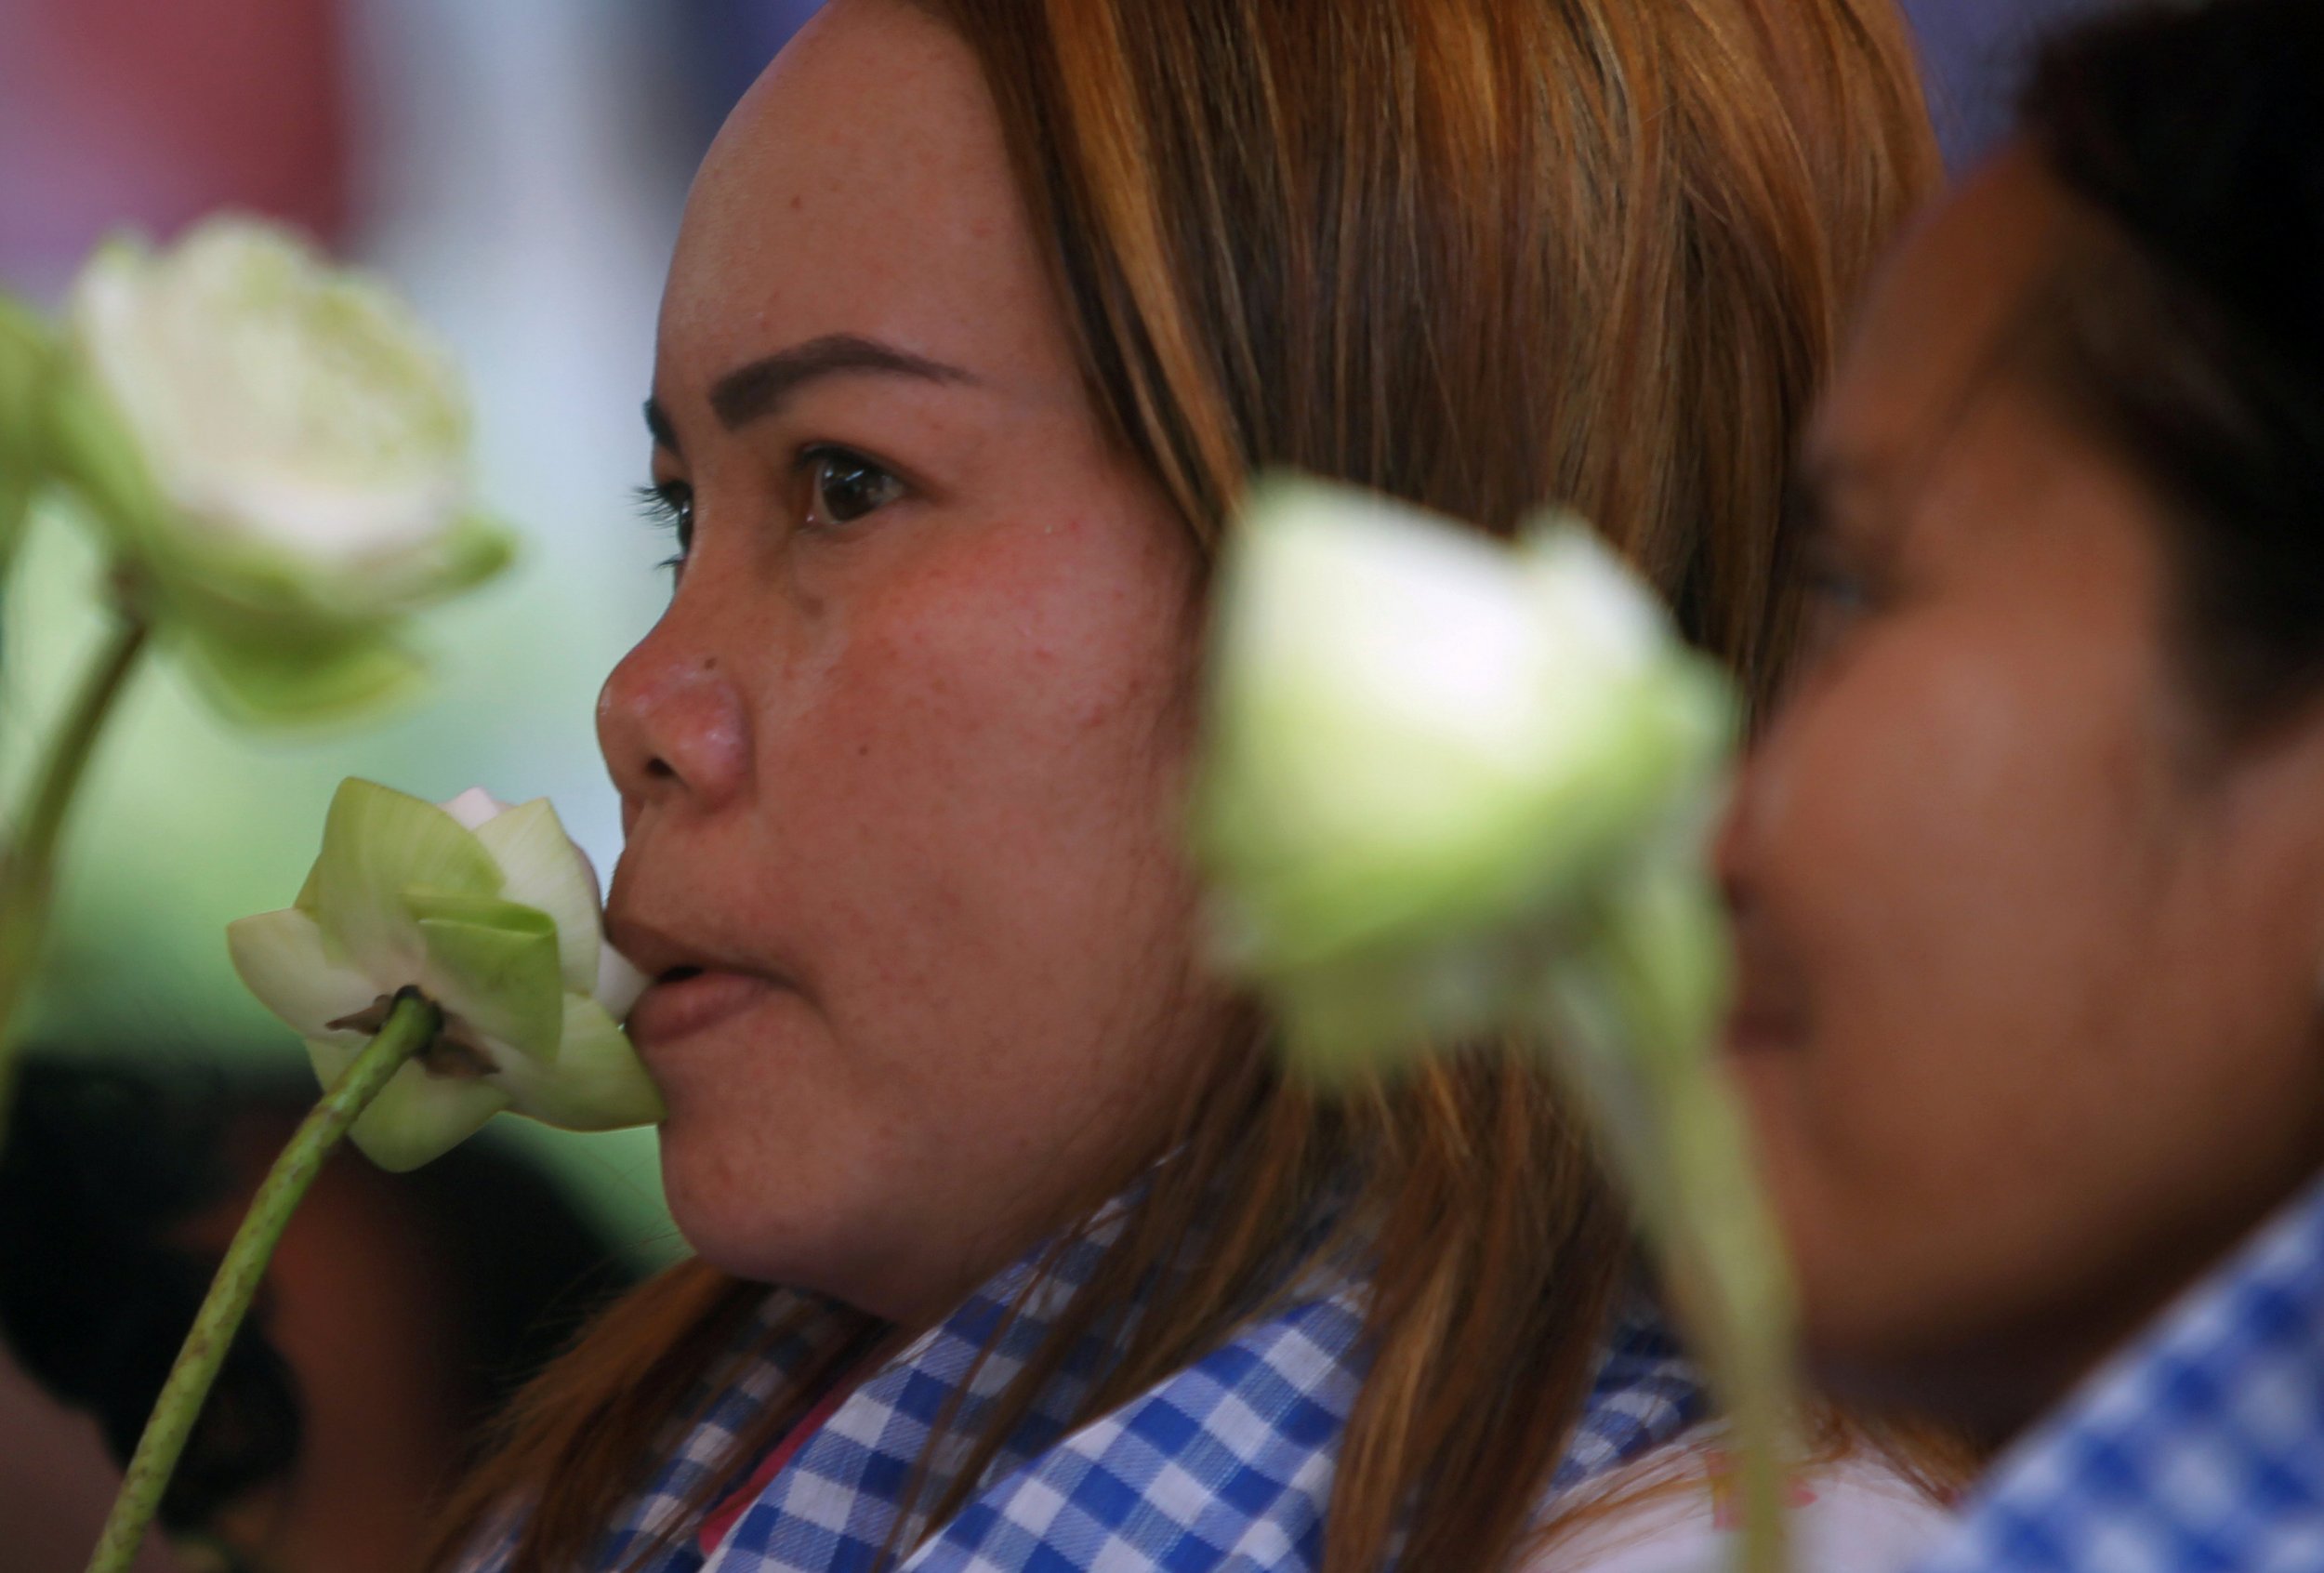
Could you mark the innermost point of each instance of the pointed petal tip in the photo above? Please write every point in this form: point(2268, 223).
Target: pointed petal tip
point(475, 808)
point(285, 959)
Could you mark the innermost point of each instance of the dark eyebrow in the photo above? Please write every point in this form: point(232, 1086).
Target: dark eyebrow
point(759, 388)
point(657, 422)
point(1830, 478)
point(750, 392)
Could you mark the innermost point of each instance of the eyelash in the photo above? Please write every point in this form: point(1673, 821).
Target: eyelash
point(1839, 586)
point(668, 504)
point(668, 508)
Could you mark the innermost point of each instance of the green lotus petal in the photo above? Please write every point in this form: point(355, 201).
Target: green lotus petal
point(16, 508)
point(264, 683)
point(26, 351)
point(258, 589)
point(91, 450)
point(378, 844)
point(224, 577)
point(493, 965)
point(26, 347)
point(427, 902)
point(597, 1083)
point(544, 869)
point(1376, 1012)
point(417, 1117)
point(286, 959)
point(475, 550)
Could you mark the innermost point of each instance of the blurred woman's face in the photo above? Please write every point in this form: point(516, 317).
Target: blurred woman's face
point(2030, 962)
point(899, 764)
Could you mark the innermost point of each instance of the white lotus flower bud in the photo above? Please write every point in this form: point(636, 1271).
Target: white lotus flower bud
point(1455, 789)
point(493, 913)
point(1425, 746)
point(280, 448)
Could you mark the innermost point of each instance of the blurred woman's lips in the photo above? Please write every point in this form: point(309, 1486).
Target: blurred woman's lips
point(1767, 1011)
point(693, 999)
point(1752, 1031)
point(1765, 1016)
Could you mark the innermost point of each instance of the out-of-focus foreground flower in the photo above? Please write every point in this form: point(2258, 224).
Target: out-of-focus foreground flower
point(1457, 791)
point(1427, 749)
point(492, 913)
point(279, 450)
point(274, 455)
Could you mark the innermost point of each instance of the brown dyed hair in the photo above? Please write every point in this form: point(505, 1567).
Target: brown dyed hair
point(1486, 255)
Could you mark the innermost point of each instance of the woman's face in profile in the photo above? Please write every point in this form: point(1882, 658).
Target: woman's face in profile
point(899, 764)
point(2029, 986)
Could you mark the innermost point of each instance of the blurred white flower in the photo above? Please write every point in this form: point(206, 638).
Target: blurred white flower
point(280, 449)
point(1424, 747)
point(493, 913)
point(1456, 790)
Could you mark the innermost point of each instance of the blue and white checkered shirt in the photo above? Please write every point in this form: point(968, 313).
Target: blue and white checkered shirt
point(2200, 1449)
point(1225, 1466)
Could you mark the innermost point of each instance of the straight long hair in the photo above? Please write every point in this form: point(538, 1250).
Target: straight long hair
point(1488, 256)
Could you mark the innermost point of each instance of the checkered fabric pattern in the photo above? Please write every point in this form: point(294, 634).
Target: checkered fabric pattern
point(2199, 1450)
point(1225, 1466)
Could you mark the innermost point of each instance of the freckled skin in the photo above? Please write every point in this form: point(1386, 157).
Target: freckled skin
point(2046, 969)
point(926, 766)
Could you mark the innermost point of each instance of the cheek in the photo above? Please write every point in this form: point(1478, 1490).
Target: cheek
point(998, 697)
point(965, 851)
point(1970, 867)
point(974, 790)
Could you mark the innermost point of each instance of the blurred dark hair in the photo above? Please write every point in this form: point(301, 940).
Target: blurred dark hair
point(2186, 328)
point(100, 1168)
point(105, 1165)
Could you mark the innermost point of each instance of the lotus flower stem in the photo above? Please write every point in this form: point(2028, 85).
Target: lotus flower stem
point(27, 865)
point(411, 1026)
point(1722, 1259)
point(1748, 1356)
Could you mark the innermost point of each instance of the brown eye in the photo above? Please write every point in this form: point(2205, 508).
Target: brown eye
point(670, 506)
point(844, 486)
point(1842, 594)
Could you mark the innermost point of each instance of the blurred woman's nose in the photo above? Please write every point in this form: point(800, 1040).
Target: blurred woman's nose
point(673, 727)
point(1729, 848)
point(1753, 795)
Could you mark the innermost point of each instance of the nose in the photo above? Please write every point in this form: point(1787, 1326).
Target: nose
point(1745, 818)
point(1729, 847)
point(674, 729)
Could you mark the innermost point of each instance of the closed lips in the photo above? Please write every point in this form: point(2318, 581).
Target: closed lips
point(687, 999)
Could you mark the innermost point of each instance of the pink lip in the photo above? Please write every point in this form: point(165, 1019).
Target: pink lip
point(678, 1008)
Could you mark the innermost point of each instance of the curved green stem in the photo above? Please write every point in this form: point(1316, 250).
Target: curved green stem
point(27, 865)
point(410, 1027)
point(1638, 1008)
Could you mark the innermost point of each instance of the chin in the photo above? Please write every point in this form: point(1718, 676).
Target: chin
point(745, 1219)
point(801, 1224)
point(1964, 1388)
point(1972, 1366)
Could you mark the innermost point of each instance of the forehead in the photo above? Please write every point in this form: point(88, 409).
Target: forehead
point(862, 186)
point(1939, 317)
